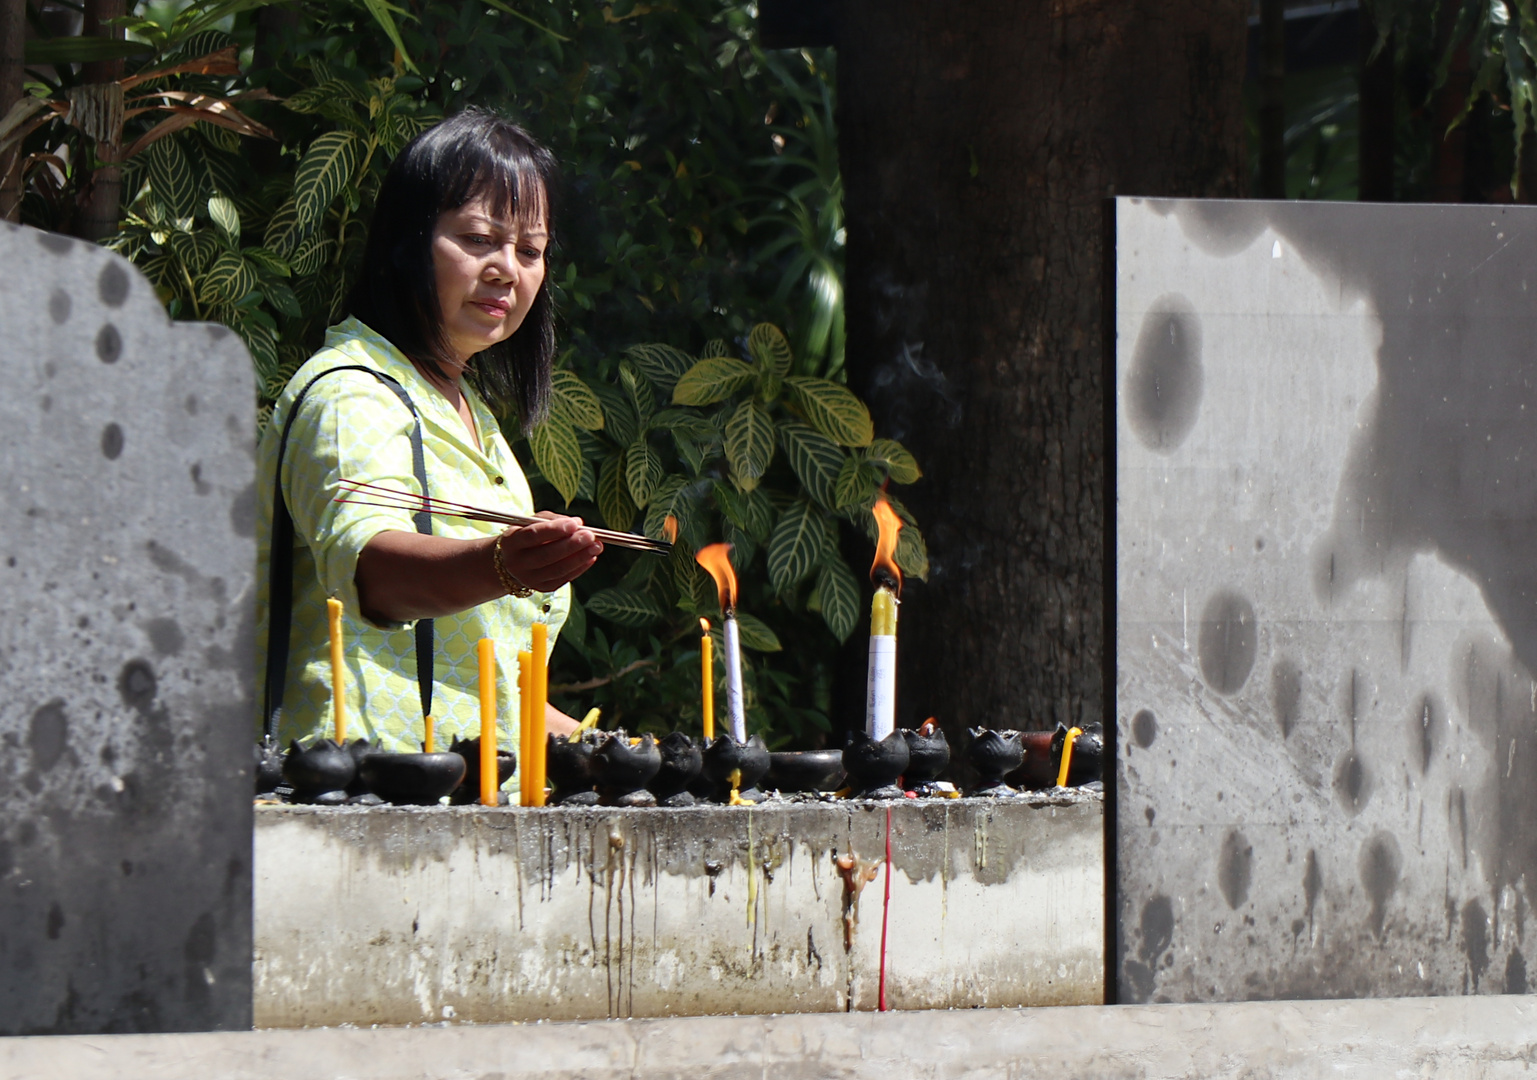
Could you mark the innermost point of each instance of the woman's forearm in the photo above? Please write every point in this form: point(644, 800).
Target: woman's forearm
point(403, 576)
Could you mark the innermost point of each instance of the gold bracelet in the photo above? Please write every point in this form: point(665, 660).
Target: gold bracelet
point(513, 586)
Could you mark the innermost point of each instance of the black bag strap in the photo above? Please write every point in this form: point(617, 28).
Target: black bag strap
point(280, 572)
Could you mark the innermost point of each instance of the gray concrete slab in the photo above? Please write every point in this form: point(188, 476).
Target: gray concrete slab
point(1326, 632)
point(406, 915)
point(1450, 1039)
point(127, 550)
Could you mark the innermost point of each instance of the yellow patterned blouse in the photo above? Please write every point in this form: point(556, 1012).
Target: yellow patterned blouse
point(350, 425)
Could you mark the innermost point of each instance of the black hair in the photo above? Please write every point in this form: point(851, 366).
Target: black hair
point(471, 154)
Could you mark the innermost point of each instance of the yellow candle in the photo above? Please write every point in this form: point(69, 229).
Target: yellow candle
point(881, 680)
point(541, 686)
point(429, 744)
point(707, 678)
point(486, 653)
point(1067, 755)
point(883, 613)
point(588, 721)
point(525, 726)
point(338, 670)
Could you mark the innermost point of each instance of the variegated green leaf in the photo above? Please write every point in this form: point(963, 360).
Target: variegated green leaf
point(197, 251)
point(712, 379)
point(642, 471)
point(832, 409)
point(852, 487)
point(768, 347)
point(558, 455)
point(222, 212)
point(285, 230)
point(613, 497)
point(756, 635)
point(662, 364)
point(267, 261)
point(642, 397)
point(815, 458)
point(312, 255)
point(230, 277)
point(798, 544)
point(900, 465)
point(715, 347)
point(576, 400)
point(670, 497)
point(170, 178)
point(619, 422)
point(749, 444)
point(627, 607)
point(323, 171)
point(838, 591)
point(912, 554)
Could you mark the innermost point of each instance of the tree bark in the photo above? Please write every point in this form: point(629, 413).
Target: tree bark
point(13, 33)
point(978, 141)
point(1272, 100)
point(101, 198)
point(1377, 113)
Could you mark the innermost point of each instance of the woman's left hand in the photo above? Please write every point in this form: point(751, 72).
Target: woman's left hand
point(549, 553)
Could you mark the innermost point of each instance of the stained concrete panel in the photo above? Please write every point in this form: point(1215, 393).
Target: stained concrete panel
point(1326, 599)
point(126, 557)
point(412, 916)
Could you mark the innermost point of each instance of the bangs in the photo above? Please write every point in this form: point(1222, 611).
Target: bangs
point(508, 175)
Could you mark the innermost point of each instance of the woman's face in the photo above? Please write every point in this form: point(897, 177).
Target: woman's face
point(488, 271)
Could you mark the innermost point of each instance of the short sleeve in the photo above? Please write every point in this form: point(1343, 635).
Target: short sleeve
point(349, 427)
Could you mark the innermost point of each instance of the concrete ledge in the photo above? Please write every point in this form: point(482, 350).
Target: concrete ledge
point(1448, 1038)
point(410, 916)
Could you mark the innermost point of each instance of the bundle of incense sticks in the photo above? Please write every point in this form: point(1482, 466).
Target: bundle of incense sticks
point(377, 495)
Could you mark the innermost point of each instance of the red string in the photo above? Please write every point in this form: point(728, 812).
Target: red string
point(885, 911)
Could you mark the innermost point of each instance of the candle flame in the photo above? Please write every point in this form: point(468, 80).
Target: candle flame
point(927, 730)
point(670, 529)
point(883, 571)
point(716, 558)
point(704, 626)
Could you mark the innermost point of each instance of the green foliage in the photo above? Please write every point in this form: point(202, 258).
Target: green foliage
point(709, 460)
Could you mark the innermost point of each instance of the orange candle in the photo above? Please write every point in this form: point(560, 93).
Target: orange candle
point(429, 743)
point(540, 682)
point(707, 678)
point(525, 727)
point(486, 653)
point(338, 670)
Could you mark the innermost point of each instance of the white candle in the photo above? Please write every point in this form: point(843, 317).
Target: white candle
point(736, 712)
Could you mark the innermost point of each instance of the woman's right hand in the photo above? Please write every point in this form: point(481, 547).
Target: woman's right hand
point(549, 553)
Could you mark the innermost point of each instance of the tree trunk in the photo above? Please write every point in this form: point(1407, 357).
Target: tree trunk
point(1378, 93)
point(101, 198)
point(13, 33)
point(1272, 100)
point(978, 141)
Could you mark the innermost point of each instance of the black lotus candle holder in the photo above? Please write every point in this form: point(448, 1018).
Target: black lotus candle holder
point(1087, 763)
point(412, 779)
point(874, 766)
point(748, 762)
point(623, 767)
point(568, 766)
point(320, 772)
point(682, 762)
point(468, 790)
point(269, 765)
point(927, 757)
point(994, 754)
point(358, 792)
point(793, 771)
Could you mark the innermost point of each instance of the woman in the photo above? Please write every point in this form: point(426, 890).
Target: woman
point(451, 318)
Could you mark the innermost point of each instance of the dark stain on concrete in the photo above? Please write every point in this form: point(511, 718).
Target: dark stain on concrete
point(112, 285)
point(1423, 731)
point(1227, 642)
point(165, 636)
point(109, 344)
point(55, 921)
point(1312, 883)
point(59, 304)
point(48, 735)
point(55, 243)
point(1157, 931)
point(1381, 866)
point(1235, 866)
point(1352, 782)
point(1286, 695)
point(242, 511)
point(1144, 727)
point(112, 442)
point(1165, 379)
point(1475, 939)
point(1515, 973)
point(138, 685)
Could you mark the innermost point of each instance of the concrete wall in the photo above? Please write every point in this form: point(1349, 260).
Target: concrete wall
point(408, 916)
point(1326, 519)
point(1490, 1039)
point(126, 555)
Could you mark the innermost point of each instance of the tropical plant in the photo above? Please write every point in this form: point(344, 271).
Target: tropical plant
point(723, 447)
